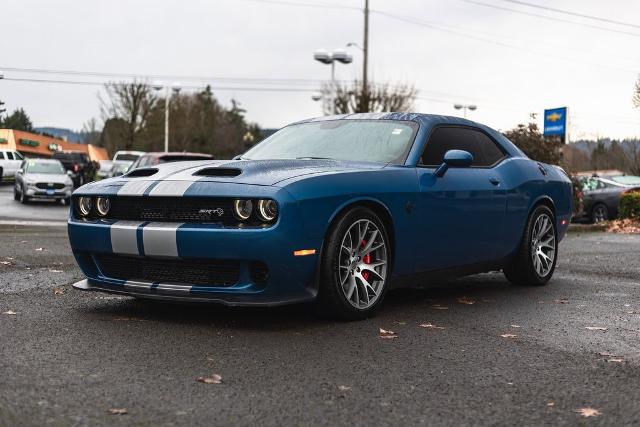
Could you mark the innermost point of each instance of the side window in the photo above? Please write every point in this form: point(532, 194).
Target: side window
point(17, 156)
point(485, 152)
point(1, 155)
point(9, 155)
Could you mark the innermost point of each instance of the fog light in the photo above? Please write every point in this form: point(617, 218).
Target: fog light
point(84, 205)
point(267, 210)
point(242, 209)
point(102, 206)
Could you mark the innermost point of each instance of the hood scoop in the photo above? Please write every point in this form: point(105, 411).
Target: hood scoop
point(218, 171)
point(138, 173)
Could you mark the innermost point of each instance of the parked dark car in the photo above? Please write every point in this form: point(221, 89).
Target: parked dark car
point(601, 196)
point(155, 158)
point(82, 169)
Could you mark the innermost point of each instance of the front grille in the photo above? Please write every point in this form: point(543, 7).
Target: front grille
point(172, 209)
point(201, 272)
point(47, 186)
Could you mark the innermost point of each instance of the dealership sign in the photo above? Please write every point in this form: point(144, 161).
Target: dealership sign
point(555, 121)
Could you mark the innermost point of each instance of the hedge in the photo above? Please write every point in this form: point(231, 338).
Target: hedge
point(630, 205)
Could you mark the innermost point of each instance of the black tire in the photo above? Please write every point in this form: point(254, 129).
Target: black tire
point(1, 175)
point(16, 195)
point(24, 199)
point(66, 201)
point(521, 270)
point(599, 213)
point(332, 301)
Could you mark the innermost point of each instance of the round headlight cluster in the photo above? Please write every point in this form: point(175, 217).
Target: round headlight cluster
point(86, 204)
point(265, 209)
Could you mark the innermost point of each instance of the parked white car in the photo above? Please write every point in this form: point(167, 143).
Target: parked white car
point(129, 156)
point(9, 163)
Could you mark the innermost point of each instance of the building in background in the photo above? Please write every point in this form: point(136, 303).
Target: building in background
point(34, 145)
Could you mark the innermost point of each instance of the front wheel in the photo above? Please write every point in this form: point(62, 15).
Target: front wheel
point(599, 213)
point(24, 199)
point(354, 266)
point(535, 261)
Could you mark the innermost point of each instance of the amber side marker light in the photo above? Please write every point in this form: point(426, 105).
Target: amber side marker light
point(304, 252)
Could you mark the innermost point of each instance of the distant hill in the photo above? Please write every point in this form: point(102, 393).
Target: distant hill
point(67, 134)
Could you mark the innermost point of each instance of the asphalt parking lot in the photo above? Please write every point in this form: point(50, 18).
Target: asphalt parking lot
point(494, 354)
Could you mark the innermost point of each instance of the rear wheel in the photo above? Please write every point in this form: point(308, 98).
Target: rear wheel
point(535, 261)
point(354, 266)
point(599, 213)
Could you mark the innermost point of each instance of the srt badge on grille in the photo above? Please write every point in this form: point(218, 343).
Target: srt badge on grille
point(211, 212)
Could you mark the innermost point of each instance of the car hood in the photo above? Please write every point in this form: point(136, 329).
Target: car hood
point(47, 177)
point(254, 172)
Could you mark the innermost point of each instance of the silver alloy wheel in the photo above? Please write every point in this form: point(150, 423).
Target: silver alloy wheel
point(600, 213)
point(543, 245)
point(363, 264)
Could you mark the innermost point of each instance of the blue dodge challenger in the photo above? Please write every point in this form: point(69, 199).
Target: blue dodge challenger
point(334, 210)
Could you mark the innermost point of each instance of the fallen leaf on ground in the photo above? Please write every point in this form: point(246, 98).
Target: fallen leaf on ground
point(118, 411)
point(631, 312)
point(401, 323)
point(387, 334)
point(508, 336)
point(440, 307)
point(628, 225)
point(604, 353)
point(430, 326)
point(552, 403)
point(5, 263)
point(596, 328)
point(40, 249)
point(56, 271)
point(561, 301)
point(588, 412)
point(213, 379)
point(58, 291)
point(515, 326)
point(344, 388)
point(465, 300)
point(10, 258)
point(9, 313)
point(615, 360)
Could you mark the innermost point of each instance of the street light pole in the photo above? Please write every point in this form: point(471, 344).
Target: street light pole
point(330, 58)
point(365, 60)
point(464, 108)
point(158, 86)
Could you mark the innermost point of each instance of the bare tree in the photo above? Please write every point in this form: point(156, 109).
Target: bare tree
point(636, 94)
point(350, 98)
point(132, 104)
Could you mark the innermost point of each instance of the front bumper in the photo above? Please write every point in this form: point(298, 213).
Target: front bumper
point(290, 278)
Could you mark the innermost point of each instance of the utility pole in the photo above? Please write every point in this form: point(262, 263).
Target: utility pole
point(365, 50)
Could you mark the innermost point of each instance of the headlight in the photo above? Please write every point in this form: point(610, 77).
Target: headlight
point(267, 210)
point(242, 209)
point(102, 206)
point(84, 205)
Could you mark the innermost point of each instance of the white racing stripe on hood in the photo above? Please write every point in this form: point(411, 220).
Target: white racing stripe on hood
point(124, 238)
point(170, 188)
point(134, 188)
point(160, 239)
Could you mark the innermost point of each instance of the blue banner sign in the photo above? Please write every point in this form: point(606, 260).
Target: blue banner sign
point(555, 121)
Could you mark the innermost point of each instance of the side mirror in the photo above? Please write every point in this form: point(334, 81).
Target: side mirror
point(454, 159)
point(69, 173)
point(20, 171)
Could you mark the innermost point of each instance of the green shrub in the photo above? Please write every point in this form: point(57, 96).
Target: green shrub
point(630, 205)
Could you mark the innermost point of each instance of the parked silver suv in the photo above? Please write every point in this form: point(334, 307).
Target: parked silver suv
point(42, 179)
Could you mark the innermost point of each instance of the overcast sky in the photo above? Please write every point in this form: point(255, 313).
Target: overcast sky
point(508, 64)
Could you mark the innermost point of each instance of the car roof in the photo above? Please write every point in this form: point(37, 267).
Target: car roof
point(43, 160)
point(174, 153)
point(426, 121)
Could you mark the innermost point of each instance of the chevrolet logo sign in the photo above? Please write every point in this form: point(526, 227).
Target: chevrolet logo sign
point(554, 117)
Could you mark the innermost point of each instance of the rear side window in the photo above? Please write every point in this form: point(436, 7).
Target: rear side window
point(17, 156)
point(9, 155)
point(1, 155)
point(484, 150)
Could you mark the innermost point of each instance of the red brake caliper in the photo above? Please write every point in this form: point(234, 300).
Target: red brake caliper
point(367, 260)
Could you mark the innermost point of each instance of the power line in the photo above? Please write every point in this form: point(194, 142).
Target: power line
point(567, 12)
point(550, 18)
point(439, 27)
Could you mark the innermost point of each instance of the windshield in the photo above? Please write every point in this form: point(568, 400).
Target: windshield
point(382, 141)
point(626, 179)
point(45, 167)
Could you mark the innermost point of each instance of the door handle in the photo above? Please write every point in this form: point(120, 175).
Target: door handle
point(494, 180)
